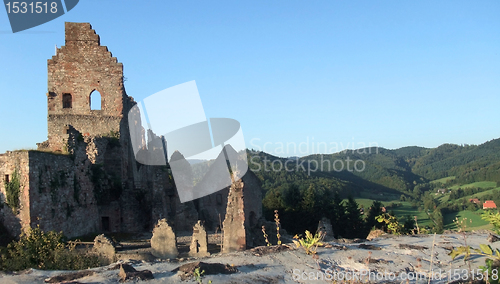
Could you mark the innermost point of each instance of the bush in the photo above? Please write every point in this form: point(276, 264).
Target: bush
point(5, 236)
point(310, 243)
point(12, 189)
point(44, 250)
point(392, 223)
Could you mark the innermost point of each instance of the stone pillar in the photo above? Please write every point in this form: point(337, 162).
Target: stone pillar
point(164, 242)
point(105, 248)
point(325, 227)
point(234, 223)
point(199, 241)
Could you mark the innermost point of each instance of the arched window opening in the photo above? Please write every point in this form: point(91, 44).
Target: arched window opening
point(95, 100)
point(67, 101)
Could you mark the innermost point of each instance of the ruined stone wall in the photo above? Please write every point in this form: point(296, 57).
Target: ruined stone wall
point(124, 202)
point(87, 124)
point(214, 205)
point(96, 185)
point(61, 194)
point(83, 192)
point(56, 193)
point(110, 218)
point(253, 199)
point(79, 68)
point(212, 209)
point(162, 187)
point(10, 162)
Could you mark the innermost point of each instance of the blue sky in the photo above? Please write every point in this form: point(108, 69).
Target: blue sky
point(344, 73)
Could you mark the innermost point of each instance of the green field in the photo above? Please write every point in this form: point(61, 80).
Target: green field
point(479, 194)
point(480, 184)
point(443, 180)
point(369, 195)
point(400, 211)
point(476, 224)
point(364, 202)
point(442, 198)
point(405, 209)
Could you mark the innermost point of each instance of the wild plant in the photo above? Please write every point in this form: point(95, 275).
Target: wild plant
point(277, 221)
point(432, 257)
point(417, 228)
point(198, 275)
point(367, 260)
point(490, 269)
point(310, 243)
point(462, 227)
point(44, 250)
point(493, 219)
point(393, 225)
point(265, 235)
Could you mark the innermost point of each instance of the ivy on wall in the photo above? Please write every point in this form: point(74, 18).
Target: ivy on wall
point(12, 189)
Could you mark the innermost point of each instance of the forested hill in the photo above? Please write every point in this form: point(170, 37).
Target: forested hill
point(467, 163)
point(379, 171)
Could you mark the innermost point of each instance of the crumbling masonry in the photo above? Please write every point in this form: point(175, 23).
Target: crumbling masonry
point(84, 178)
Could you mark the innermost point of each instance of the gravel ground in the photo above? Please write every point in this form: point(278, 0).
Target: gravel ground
point(400, 258)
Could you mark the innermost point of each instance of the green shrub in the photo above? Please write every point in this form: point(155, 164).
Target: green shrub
point(5, 236)
point(310, 243)
point(45, 250)
point(490, 269)
point(392, 223)
point(493, 219)
point(12, 189)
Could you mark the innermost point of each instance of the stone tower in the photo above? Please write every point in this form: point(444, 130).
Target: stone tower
point(82, 68)
point(96, 185)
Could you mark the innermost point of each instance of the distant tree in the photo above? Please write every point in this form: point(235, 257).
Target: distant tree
point(271, 202)
point(309, 213)
point(354, 223)
point(468, 191)
point(309, 200)
point(429, 203)
point(417, 192)
point(336, 214)
point(472, 206)
point(452, 195)
point(409, 224)
point(437, 218)
point(292, 197)
point(374, 211)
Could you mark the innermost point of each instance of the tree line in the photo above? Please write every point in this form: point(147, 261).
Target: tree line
point(301, 210)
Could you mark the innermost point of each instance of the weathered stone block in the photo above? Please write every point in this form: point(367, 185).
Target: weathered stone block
point(163, 242)
point(234, 223)
point(199, 241)
point(325, 227)
point(105, 247)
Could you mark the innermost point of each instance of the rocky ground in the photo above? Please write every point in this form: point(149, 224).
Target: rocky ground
point(386, 259)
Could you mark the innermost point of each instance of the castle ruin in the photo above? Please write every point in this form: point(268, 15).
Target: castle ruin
point(84, 179)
